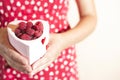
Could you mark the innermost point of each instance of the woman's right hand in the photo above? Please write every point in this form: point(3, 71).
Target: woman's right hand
point(12, 57)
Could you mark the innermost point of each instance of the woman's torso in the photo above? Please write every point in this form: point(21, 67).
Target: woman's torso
point(53, 11)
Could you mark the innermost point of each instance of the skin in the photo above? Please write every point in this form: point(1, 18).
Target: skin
point(85, 26)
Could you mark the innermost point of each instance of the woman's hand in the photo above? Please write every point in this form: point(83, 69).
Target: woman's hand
point(13, 58)
point(55, 46)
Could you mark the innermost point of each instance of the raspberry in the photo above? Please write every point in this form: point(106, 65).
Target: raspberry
point(40, 25)
point(30, 31)
point(37, 28)
point(25, 37)
point(37, 34)
point(29, 24)
point(17, 31)
point(22, 25)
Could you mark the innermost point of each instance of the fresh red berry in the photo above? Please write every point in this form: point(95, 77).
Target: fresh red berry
point(17, 31)
point(22, 25)
point(25, 37)
point(37, 28)
point(37, 34)
point(29, 24)
point(39, 23)
point(30, 31)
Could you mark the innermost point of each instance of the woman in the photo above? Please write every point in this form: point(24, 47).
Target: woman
point(59, 61)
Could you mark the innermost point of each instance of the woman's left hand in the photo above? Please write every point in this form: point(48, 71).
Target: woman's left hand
point(55, 46)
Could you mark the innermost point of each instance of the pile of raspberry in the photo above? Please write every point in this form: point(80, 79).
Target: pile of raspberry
point(28, 30)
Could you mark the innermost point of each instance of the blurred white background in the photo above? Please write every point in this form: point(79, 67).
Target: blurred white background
point(99, 54)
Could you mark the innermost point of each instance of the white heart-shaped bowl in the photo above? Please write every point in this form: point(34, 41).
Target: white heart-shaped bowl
point(31, 49)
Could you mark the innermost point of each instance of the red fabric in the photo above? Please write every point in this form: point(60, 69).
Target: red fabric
point(53, 11)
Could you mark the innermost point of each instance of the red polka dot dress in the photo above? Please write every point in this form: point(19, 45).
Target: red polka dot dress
point(53, 11)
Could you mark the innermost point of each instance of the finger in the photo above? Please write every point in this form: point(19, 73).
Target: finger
point(42, 60)
point(42, 63)
point(50, 55)
point(40, 67)
point(19, 67)
point(17, 57)
point(18, 62)
point(39, 62)
point(46, 60)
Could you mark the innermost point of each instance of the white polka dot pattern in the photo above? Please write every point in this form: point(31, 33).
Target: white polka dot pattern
point(53, 11)
point(42, 9)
